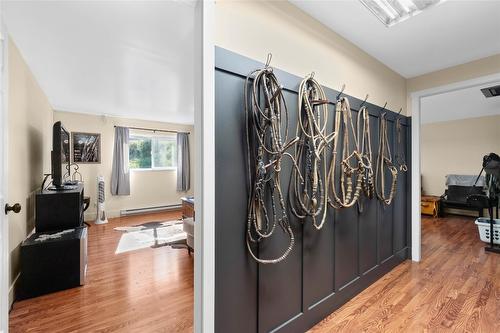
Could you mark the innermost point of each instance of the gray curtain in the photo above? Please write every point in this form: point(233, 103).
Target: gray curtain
point(120, 175)
point(183, 166)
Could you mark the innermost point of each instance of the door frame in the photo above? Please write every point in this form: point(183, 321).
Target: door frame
point(204, 191)
point(4, 226)
point(416, 104)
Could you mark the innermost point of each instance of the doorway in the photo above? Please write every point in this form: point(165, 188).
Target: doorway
point(103, 118)
point(418, 100)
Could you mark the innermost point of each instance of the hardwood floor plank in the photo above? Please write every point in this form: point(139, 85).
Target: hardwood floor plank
point(147, 290)
point(456, 287)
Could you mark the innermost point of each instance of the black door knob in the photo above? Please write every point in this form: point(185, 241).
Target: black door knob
point(16, 208)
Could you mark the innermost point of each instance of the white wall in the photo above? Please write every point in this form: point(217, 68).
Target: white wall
point(456, 147)
point(147, 188)
point(459, 73)
point(29, 141)
point(300, 44)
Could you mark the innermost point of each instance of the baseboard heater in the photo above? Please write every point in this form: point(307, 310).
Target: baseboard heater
point(149, 209)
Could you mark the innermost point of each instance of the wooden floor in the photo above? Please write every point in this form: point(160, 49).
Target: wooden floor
point(455, 288)
point(148, 290)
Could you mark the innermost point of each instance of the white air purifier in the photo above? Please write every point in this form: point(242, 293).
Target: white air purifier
point(101, 203)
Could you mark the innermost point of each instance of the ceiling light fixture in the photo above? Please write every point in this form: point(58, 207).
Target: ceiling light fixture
point(391, 12)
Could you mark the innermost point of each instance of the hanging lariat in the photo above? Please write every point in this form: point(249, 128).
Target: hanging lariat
point(384, 160)
point(399, 154)
point(267, 142)
point(365, 151)
point(308, 186)
point(351, 163)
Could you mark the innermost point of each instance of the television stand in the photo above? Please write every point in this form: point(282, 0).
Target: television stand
point(59, 209)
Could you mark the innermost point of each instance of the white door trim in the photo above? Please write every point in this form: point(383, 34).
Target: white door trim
point(416, 98)
point(204, 246)
point(4, 227)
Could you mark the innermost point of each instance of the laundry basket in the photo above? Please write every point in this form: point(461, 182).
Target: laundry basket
point(483, 226)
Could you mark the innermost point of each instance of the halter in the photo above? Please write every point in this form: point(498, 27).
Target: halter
point(399, 154)
point(351, 166)
point(266, 147)
point(365, 151)
point(308, 186)
point(384, 159)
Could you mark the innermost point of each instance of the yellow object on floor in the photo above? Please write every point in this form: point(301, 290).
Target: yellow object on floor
point(429, 205)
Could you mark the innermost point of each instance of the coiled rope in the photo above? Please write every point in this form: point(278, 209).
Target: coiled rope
point(399, 154)
point(384, 160)
point(266, 138)
point(308, 186)
point(351, 165)
point(365, 150)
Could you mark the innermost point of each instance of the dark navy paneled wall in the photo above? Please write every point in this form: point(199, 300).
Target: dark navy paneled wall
point(326, 268)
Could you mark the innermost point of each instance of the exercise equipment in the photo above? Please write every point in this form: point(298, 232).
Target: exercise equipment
point(490, 200)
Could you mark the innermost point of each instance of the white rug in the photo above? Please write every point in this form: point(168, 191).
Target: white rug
point(154, 234)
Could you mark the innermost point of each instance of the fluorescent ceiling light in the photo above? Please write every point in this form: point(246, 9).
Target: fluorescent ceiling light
point(391, 12)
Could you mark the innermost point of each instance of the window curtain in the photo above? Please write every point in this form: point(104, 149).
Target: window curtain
point(183, 167)
point(120, 174)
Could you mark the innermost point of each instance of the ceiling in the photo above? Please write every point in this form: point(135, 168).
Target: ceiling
point(459, 104)
point(120, 58)
point(449, 34)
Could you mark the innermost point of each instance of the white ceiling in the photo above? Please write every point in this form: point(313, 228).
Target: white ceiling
point(460, 104)
point(122, 58)
point(452, 33)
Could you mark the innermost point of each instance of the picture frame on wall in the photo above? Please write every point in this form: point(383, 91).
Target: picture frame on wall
point(86, 147)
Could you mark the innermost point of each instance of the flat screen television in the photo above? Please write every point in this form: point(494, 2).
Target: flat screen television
point(60, 162)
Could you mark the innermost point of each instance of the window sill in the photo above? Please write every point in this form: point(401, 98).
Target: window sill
point(154, 169)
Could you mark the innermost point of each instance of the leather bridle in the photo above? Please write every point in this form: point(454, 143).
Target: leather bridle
point(399, 155)
point(313, 184)
point(351, 163)
point(308, 186)
point(384, 160)
point(266, 117)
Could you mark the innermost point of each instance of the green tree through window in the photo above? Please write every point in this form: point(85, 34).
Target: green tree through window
point(152, 152)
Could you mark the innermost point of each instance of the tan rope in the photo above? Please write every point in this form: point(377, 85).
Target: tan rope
point(308, 186)
point(365, 150)
point(384, 159)
point(265, 108)
point(351, 164)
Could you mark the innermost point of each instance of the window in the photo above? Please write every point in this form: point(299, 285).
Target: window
point(150, 152)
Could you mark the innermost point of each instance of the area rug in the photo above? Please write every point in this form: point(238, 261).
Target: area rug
point(151, 234)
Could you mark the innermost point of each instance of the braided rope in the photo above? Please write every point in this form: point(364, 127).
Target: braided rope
point(266, 147)
point(350, 174)
point(365, 150)
point(384, 159)
point(308, 186)
point(399, 155)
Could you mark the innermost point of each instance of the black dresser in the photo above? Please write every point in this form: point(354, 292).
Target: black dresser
point(55, 256)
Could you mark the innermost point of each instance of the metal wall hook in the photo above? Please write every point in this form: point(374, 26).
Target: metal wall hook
point(363, 103)
point(383, 108)
point(400, 110)
point(312, 75)
point(341, 91)
point(269, 58)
